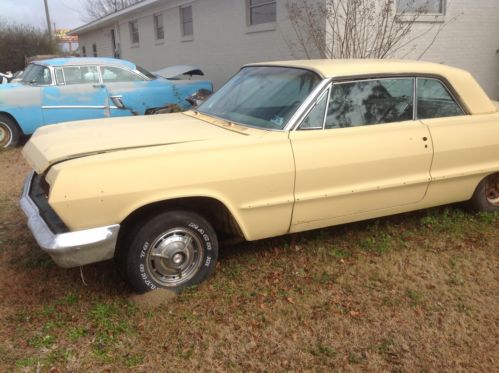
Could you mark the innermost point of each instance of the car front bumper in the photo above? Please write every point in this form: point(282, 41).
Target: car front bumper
point(68, 249)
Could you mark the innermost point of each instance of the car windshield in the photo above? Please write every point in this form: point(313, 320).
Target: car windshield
point(262, 96)
point(36, 74)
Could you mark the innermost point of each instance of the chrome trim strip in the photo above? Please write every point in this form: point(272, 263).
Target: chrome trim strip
point(329, 93)
point(415, 99)
point(326, 92)
point(306, 106)
point(69, 249)
point(73, 107)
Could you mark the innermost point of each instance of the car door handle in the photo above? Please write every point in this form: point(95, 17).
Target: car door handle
point(98, 86)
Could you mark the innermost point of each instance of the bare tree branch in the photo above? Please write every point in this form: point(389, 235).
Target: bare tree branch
point(358, 28)
point(94, 9)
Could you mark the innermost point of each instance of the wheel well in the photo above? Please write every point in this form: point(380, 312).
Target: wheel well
point(217, 214)
point(8, 115)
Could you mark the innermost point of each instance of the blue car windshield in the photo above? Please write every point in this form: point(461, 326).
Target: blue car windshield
point(262, 96)
point(37, 74)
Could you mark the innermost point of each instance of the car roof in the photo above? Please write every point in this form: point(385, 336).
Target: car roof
point(352, 67)
point(79, 61)
point(471, 95)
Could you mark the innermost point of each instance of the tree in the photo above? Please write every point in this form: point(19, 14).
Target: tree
point(357, 28)
point(20, 41)
point(95, 9)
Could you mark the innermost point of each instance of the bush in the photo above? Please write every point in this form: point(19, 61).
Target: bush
point(20, 41)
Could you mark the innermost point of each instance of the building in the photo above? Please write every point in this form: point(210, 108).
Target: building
point(221, 35)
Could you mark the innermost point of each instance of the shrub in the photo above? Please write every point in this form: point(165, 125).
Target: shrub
point(19, 41)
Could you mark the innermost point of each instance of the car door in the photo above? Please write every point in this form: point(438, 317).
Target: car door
point(464, 145)
point(77, 95)
point(359, 150)
point(134, 92)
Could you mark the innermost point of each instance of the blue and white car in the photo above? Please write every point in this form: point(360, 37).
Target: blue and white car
point(69, 89)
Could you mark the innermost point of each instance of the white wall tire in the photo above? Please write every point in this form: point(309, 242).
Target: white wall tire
point(9, 133)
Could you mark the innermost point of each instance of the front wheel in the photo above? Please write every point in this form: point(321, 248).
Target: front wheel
point(171, 250)
point(9, 132)
point(486, 196)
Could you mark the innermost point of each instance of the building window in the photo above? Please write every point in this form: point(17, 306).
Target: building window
point(420, 6)
point(84, 51)
point(94, 49)
point(261, 11)
point(158, 27)
point(134, 32)
point(186, 21)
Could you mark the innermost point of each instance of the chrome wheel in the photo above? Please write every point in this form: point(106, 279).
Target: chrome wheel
point(492, 190)
point(5, 135)
point(175, 257)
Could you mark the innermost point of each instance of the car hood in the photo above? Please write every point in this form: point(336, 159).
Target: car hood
point(60, 142)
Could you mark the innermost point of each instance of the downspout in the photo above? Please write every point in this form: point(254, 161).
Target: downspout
point(117, 36)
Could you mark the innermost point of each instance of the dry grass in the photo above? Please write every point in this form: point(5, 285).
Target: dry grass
point(414, 292)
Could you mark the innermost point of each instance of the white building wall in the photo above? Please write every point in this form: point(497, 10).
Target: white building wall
point(222, 40)
point(101, 38)
point(469, 40)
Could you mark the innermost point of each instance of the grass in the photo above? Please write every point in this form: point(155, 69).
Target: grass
point(412, 292)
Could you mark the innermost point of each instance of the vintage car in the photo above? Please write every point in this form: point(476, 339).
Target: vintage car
point(282, 147)
point(69, 89)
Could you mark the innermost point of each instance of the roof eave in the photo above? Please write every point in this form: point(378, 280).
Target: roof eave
point(110, 18)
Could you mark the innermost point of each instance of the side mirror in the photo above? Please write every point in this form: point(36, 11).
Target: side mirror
point(198, 97)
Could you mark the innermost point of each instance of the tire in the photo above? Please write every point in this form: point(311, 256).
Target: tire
point(172, 250)
point(9, 132)
point(486, 196)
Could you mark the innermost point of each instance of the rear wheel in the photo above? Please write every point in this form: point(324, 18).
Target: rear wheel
point(171, 250)
point(486, 196)
point(9, 132)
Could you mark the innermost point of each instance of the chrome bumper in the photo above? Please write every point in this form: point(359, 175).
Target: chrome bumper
point(69, 249)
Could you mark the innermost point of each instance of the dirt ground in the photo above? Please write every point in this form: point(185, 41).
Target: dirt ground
point(411, 293)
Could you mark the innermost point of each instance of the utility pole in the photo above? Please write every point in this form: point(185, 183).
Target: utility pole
point(49, 26)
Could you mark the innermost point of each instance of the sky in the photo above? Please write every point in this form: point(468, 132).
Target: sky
point(64, 13)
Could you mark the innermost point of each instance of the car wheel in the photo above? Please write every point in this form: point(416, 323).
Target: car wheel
point(9, 132)
point(172, 250)
point(486, 196)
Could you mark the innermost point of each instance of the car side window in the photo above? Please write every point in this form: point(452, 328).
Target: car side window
point(59, 76)
point(37, 75)
point(115, 74)
point(81, 74)
point(315, 118)
point(369, 102)
point(435, 101)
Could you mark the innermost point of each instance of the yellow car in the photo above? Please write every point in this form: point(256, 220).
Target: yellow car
point(282, 147)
